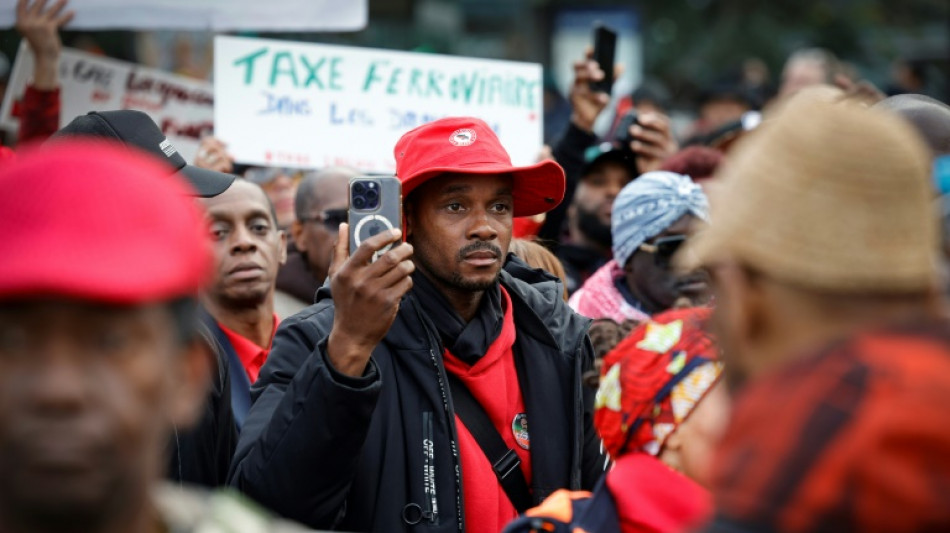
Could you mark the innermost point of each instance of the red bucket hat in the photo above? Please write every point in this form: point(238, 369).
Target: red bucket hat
point(98, 222)
point(467, 145)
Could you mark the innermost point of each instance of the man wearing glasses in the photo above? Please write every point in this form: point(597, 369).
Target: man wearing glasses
point(650, 220)
point(320, 207)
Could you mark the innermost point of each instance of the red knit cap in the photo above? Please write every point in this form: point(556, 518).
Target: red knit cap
point(88, 220)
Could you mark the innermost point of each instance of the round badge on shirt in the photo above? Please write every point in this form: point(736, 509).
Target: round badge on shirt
point(519, 427)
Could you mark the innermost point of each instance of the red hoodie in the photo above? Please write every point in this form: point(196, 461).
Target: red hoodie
point(493, 381)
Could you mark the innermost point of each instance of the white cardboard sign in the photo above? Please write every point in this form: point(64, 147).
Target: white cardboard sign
point(182, 107)
point(217, 15)
point(313, 105)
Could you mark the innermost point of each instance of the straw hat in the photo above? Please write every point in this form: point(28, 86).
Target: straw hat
point(832, 197)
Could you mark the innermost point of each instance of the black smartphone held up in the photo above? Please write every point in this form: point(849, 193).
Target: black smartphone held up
point(375, 206)
point(622, 132)
point(605, 48)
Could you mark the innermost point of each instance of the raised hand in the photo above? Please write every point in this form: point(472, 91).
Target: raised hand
point(653, 141)
point(587, 104)
point(366, 296)
point(213, 155)
point(40, 27)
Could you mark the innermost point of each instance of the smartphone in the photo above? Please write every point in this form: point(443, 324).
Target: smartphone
point(605, 47)
point(622, 131)
point(375, 205)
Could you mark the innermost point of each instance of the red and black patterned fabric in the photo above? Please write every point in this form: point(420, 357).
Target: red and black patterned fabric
point(652, 380)
point(854, 438)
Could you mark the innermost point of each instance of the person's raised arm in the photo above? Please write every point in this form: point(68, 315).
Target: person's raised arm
point(41, 102)
point(578, 136)
point(586, 103)
point(40, 27)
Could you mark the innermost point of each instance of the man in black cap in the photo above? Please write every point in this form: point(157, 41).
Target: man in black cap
point(135, 128)
point(595, 174)
point(201, 455)
point(586, 245)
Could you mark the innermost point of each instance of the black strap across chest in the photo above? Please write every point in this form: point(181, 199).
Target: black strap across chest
point(505, 462)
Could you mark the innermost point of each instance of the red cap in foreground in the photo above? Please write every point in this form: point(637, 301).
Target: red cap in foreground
point(92, 221)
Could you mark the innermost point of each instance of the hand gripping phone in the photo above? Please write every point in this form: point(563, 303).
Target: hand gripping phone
point(375, 207)
point(605, 46)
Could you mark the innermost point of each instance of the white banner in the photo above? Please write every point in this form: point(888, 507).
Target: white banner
point(182, 107)
point(311, 105)
point(217, 15)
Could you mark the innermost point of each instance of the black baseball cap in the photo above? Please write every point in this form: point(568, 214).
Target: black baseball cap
point(606, 152)
point(135, 128)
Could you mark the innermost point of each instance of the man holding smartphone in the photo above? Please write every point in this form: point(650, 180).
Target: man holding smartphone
point(647, 142)
point(437, 388)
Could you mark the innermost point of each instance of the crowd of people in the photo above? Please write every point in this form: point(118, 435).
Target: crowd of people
point(745, 330)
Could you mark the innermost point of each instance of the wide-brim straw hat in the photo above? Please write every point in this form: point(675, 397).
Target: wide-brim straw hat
point(828, 196)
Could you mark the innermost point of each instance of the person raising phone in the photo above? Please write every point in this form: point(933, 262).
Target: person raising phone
point(401, 399)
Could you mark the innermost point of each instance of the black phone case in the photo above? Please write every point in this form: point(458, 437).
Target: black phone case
point(365, 223)
point(622, 133)
point(605, 48)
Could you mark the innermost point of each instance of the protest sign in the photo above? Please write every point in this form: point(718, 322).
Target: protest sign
point(313, 105)
point(182, 107)
point(217, 15)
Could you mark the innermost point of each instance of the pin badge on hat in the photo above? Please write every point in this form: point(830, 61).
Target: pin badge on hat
point(462, 137)
point(519, 427)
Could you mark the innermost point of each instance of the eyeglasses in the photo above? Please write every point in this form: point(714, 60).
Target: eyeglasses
point(331, 218)
point(663, 249)
point(265, 175)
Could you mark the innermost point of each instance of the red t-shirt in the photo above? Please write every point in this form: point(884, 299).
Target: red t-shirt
point(251, 355)
point(493, 381)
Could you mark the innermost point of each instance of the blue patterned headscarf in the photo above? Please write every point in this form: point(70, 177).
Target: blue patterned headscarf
point(650, 204)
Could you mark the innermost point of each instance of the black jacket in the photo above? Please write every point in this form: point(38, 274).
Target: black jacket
point(202, 455)
point(350, 453)
point(240, 385)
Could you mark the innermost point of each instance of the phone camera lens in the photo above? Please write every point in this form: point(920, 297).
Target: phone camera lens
point(372, 199)
point(359, 202)
point(359, 187)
